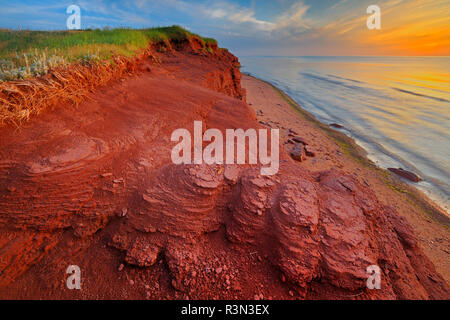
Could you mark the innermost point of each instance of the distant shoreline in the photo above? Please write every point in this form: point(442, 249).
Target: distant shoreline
point(358, 153)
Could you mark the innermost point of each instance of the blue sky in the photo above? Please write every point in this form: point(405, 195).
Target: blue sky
point(258, 27)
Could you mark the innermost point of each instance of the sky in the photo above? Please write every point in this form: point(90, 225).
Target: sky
point(259, 27)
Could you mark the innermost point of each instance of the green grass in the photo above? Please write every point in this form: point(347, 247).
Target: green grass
point(31, 53)
point(358, 154)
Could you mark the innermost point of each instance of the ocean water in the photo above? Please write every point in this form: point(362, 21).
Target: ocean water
point(396, 108)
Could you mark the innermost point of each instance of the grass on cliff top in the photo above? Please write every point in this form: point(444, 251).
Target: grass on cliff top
point(27, 53)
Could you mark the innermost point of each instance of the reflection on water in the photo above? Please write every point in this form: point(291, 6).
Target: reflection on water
point(397, 108)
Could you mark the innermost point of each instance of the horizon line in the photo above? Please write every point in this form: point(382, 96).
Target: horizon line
point(355, 56)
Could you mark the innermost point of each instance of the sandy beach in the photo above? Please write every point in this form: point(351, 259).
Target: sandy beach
point(276, 110)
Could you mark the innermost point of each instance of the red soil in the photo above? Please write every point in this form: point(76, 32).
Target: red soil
point(94, 186)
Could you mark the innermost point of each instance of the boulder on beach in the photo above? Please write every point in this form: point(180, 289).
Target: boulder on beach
point(300, 140)
point(406, 174)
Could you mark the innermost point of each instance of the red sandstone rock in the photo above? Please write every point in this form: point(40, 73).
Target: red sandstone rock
point(300, 140)
point(321, 230)
point(336, 125)
point(310, 151)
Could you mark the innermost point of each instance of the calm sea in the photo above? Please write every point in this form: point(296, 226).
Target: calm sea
point(397, 108)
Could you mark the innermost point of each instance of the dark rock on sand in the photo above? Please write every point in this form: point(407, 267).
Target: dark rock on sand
point(300, 140)
point(298, 152)
point(265, 123)
point(406, 174)
point(336, 125)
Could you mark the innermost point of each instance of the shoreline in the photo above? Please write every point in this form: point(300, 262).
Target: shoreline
point(359, 154)
point(275, 108)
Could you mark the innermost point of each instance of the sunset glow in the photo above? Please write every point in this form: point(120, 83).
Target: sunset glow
point(283, 27)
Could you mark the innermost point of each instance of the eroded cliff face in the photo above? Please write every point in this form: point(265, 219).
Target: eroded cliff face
point(94, 186)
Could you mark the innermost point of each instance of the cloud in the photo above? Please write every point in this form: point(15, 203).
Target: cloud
point(289, 27)
point(126, 13)
point(293, 19)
